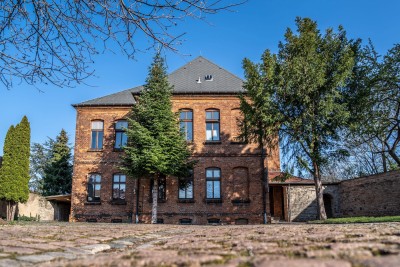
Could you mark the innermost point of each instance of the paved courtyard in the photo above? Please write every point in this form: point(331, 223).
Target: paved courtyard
point(281, 245)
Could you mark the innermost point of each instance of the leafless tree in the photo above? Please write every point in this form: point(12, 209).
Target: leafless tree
point(54, 41)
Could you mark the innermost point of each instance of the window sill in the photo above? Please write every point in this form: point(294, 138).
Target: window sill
point(238, 143)
point(92, 203)
point(95, 150)
point(158, 201)
point(118, 202)
point(213, 200)
point(212, 142)
point(186, 201)
point(240, 201)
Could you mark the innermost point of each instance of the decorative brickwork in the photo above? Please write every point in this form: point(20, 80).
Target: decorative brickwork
point(241, 187)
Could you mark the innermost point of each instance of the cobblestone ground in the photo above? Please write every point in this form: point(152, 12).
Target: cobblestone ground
point(281, 245)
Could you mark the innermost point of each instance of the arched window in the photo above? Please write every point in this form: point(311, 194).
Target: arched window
point(119, 186)
point(213, 183)
point(121, 138)
point(93, 187)
point(212, 125)
point(186, 187)
point(186, 123)
point(97, 134)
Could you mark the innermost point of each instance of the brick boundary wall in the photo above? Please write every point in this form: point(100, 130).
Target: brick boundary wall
point(374, 195)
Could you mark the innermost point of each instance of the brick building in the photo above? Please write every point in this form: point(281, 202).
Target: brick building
point(226, 185)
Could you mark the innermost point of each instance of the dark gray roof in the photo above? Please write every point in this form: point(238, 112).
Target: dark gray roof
point(189, 79)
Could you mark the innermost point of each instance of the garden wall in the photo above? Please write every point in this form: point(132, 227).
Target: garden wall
point(374, 195)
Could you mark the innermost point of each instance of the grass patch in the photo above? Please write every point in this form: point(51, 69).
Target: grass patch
point(358, 220)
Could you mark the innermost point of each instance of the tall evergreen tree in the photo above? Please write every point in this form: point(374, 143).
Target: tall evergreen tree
point(14, 174)
point(306, 99)
point(57, 179)
point(156, 146)
point(313, 69)
point(259, 116)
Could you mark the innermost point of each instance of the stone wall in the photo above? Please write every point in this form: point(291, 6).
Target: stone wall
point(36, 206)
point(302, 205)
point(374, 195)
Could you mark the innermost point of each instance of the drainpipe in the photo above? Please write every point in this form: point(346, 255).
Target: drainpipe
point(289, 208)
point(137, 200)
point(265, 184)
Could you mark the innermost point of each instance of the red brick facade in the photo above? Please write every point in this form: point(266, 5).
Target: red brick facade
point(239, 164)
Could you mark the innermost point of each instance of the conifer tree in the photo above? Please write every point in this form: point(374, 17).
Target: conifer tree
point(156, 146)
point(259, 123)
point(14, 173)
point(57, 179)
point(301, 91)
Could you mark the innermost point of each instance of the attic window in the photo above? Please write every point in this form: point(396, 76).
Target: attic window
point(208, 78)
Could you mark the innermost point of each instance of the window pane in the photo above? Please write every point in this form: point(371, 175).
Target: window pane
point(100, 140)
point(118, 137)
point(209, 173)
point(217, 189)
point(97, 125)
point(124, 140)
point(94, 139)
point(122, 191)
point(122, 178)
point(121, 125)
point(189, 189)
point(98, 178)
point(116, 178)
point(182, 193)
point(97, 190)
point(215, 131)
point(215, 115)
point(182, 115)
point(208, 115)
point(189, 131)
point(217, 173)
point(189, 115)
point(209, 189)
point(182, 126)
point(208, 131)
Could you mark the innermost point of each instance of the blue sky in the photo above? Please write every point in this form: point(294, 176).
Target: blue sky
point(226, 39)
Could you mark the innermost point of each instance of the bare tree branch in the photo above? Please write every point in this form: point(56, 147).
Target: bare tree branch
point(54, 41)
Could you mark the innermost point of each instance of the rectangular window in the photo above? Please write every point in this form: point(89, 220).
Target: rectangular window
point(94, 187)
point(121, 139)
point(186, 123)
point(97, 135)
point(212, 125)
point(186, 187)
point(162, 188)
point(213, 183)
point(119, 186)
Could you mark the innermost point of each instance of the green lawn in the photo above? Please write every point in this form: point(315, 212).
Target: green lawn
point(359, 220)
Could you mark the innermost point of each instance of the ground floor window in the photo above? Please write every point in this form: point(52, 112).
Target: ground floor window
point(186, 187)
point(162, 188)
point(93, 187)
point(213, 183)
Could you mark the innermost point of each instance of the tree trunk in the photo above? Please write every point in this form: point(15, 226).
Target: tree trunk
point(11, 205)
point(319, 193)
point(155, 198)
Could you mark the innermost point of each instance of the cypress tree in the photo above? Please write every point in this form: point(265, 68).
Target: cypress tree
point(156, 146)
point(14, 174)
point(57, 178)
